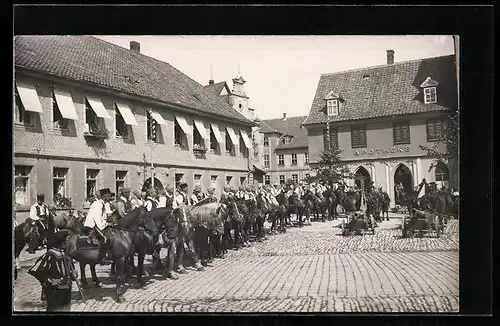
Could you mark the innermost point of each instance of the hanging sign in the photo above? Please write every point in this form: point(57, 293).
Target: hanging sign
point(392, 150)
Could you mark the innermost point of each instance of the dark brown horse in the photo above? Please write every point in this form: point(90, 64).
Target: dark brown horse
point(129, 236)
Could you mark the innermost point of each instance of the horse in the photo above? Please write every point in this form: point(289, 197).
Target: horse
point(123, 240)
point(330, 203)
point(261, 210)
point(281, 211)
point(386, 201)
point(296, 206)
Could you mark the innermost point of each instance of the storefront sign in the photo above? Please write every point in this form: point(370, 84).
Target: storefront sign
point(381, 150)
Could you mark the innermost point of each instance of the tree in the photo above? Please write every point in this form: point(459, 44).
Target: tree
point(330, 168)
point(446, 149)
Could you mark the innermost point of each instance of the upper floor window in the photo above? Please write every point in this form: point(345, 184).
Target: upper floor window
point(436, 130)
point(266, 141)
point(57, 118)
point(430, 95)
point(21, 116)
point(180, 137)
point(401, 133)
point(198, 140)
point(151, 127)
point(120, 126)
point(266, 161)
point(306, 158)
point(281, 160)
point(294, 159)
point(333, 138)
point(214, 144)
point(287, 140)
point(229, 144)
point(93, 123)
point(358, 136)
point(332, 107)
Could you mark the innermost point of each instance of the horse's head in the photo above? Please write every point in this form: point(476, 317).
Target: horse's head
point(147, 222)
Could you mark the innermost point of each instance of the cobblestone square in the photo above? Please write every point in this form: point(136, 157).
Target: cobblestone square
point(309, 269)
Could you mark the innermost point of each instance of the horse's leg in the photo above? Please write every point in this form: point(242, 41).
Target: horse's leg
point(171, 255)
point(96, 281)
point(140, 268)
point(119, 265)
point(83, 277)
point(194, 255)
point(179, 267)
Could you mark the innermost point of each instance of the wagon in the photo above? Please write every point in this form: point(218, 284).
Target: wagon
point(357, 223)
point(421, 222)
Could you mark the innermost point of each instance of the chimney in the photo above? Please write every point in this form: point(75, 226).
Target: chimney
point(135, 46)
point(390, 57)
point(284, 116)
point(211, 82)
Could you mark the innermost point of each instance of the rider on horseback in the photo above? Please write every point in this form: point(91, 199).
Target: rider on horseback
point(97, 216)
point(39, 214)
point(150, 203)
point(122, 204)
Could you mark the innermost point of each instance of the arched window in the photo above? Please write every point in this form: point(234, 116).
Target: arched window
point(442, 176)
point(362, 178)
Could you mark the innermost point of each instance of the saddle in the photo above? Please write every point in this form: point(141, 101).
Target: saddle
point(86, 242)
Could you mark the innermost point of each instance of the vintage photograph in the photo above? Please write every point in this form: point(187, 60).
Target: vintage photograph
point(279, 174)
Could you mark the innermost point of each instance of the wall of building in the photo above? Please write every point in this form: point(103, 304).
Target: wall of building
point(379, 136)
point(44, 147)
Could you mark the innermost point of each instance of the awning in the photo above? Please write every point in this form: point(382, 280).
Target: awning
point(258, 169)
point(246, 140)
point(158, 118)
point(127, 114)
point(65, 105)
point(232, 135)
point(98, 107)
point(217, 134)
point(29, 97)
point(184, 125)
point(202, 130)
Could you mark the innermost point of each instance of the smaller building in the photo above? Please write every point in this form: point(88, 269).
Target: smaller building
point(284, 149)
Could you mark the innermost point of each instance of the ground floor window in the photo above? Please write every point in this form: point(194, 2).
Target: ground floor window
point(228, 180)
point(282, 179)
point(213, 181)
point(243, 181)
point(59, 182)
point(295, 178)
point(178, 179)
point(120, 180)
point(21, 180)
point(267, 180)
point(197, 180)
point(442, 175)
point(92, 186)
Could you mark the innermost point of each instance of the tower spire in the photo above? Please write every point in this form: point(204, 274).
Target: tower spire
point(211, 81)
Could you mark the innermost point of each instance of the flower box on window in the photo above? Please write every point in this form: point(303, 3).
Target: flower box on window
point(199, 148)
point(95, 132)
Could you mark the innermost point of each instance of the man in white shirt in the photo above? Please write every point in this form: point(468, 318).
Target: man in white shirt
point(39, 210)
point(97, 215)
point(195, 197)
point(150, 202)
point(162, 199)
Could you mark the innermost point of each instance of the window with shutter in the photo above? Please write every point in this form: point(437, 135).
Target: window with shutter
point(358, 137)
point(401, 133)
point(436, 130)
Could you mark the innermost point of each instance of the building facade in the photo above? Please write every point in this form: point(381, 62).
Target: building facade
point(379, 117)
point(89, 114)
point(284, 148)
point(240, 102)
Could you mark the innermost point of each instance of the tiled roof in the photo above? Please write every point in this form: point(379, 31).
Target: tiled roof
point(265, 128)
point(386, 90)
point(91, 60)
point(215, 88)
point(291, 127)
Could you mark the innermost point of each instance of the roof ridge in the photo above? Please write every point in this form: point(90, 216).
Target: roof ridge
point(385, 65)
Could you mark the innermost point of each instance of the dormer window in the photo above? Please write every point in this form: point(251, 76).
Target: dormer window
point(287, 140)
point(332, 104)
point(430, 90)
point(430, 95)
point(332, 107)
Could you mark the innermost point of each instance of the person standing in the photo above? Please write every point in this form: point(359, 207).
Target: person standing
point(136, 200)
point(56, 273)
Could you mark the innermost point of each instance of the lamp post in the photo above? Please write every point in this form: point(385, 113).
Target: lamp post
point(152, 136)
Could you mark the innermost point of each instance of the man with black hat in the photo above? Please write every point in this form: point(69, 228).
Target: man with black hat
point(56, 272)
point(181, 198)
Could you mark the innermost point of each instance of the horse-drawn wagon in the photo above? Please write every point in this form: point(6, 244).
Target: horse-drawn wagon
point(357, 223)
point(420, 222)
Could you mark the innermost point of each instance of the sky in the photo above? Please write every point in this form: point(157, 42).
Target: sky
point(281, 72)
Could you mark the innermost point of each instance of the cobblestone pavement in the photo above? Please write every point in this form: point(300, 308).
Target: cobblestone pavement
point(309, 269)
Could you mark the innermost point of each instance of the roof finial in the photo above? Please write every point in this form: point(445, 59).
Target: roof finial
point(211, 72)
